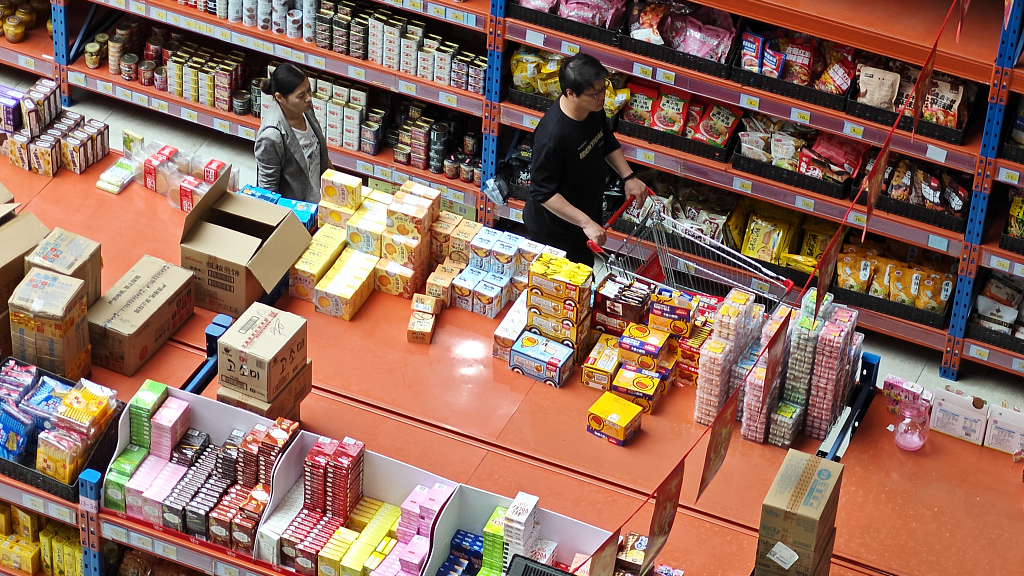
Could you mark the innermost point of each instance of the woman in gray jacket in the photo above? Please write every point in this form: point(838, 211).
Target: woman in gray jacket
point(291, 152)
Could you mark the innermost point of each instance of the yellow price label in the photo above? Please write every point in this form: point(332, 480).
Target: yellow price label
point(364, 167)
point(457, 16)
point(140, 541)
point(166, 550)
point(190, 115)
point(140, 99)
point(226, 570)
point(190, 24)
point(797, 115)
point(530, 121)
point(284, 51)
point(34, 502)
point(407, 87)
point(319, 62)
point(105, 87)
point(299, 57)
point(448, 99)
point(570, 48)
point(122, 4)
point(160, 14)
point(851, 129)
point(1008, 176)
point(222, 125)
point(1000, 263)
point(858, 218)
point(246, 132)
point(804, 203)
point(123, 93)
point(666, 76)
point(752, 102)
point(415, 5)
point(240, 40)
point(224, 34)
point(742, 184)
point(158, 105)
point(117, 533)
point(176, 19)
point(63, 514)
point(437, 10)
point(26, 62)
point(516, 214)
point(645, 155)
point(77, 78)
point(139, 8)
point(977, 352)
point(642, 71)
point(357, 73)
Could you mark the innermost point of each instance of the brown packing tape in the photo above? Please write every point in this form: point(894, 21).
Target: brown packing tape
point(803, 484)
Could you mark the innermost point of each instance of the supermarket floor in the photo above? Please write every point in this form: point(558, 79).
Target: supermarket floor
point(900, 358)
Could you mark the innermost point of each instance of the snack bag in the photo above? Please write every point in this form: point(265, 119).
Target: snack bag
point(935, 293)
point(799, 263)
point(615, 99)
point(878, 88)
point(942, 103)
point(772, 63)
point(755, 145)
point(797, 68)
point(526, 64)
point(931, 191)
point(764, 238)
point(854, 273)
point(955, 197)
point(902, 184)
point(641, 104)
point(904, 284)
point(670, 111)
point(717, 124)
point(752, 49)
point(879, 286)
point(694, 112)
point(645, 21)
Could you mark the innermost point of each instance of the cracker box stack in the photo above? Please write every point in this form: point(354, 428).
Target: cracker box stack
point(49, 327)
point(558, 301)
point(614, 419)
point(602, 364)
point(759, 406)
point(344, 478)
point(542, 359)
point(312, 266)
point(262, 362)
point(648, 357)
point(798, 517)
point(831, 371)
point(494, 538)
point(522, 530)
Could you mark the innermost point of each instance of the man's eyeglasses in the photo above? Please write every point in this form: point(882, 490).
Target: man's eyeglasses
point(597, 95)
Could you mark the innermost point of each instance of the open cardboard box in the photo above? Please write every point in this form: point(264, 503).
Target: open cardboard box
point(239, 248)
point(19, 235)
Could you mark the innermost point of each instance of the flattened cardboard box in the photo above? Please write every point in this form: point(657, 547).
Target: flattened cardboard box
point(19, 235)
point(262, 351)
point(800, 508)
point(287, 402)
point(139, 314)
point(239, 248)
point(72, 255)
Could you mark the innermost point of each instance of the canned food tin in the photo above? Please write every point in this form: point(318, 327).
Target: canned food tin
point(147, 72)
point(160, 78)
point(129, 67)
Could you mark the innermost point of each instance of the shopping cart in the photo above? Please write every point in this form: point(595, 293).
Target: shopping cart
point(676, 254)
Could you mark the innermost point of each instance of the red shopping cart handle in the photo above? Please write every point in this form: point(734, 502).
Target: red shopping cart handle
point(625, 206)
point(594, 247)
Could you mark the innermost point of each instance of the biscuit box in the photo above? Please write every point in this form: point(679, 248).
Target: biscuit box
point(613, 418)
point(622, 299)
point(670, 312)
point(480, 251)
point(541, 359)
point(641, 387)
point(642, 346)
point(600, 367)
point(561, 279)
point(557, 307)
point(559, 329)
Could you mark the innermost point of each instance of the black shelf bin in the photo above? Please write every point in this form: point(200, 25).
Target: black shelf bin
point(790, 177)
point(997, 339)
point(556, 22)
point(672, 56)
point(527, 100)
point(1015, 245)
point(678, 142)
point(807, 94)
point(917, 213)
point(890, 308)
point(924, 128)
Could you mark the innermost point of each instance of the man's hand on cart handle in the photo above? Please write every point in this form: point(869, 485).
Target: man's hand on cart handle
point(595, 233)
point(595, 246)
point(635, 190)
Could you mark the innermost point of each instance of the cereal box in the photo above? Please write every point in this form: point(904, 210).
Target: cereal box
point(600, 367)
point(393, 278)
point(439, 286)
point(365, 232)
point(503, 258)
point(559, 329)
point(441, 239)
point(541, 359)
point(613, 418)
point(407, 219)
point(330, 213)
point(501, 282)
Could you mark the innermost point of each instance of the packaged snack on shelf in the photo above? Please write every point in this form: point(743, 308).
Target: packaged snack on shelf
point(614, 419)
point(717, 124)
point(542, 359)
point(16, 379)
point(877, 88)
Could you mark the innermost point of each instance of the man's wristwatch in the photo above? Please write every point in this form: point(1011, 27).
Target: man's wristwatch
point(629, 177)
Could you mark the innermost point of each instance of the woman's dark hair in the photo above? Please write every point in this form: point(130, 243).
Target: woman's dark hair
point(580, 73)
point(285, 79)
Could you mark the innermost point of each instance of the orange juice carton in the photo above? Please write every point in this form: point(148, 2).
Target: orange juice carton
point(434, 196)
point(463, 287)
point(404, 250)
point(642, 346)
point(341, 189)
point(503, 257)
point(560, 278)
point(461, 238)
point(558, 329)
point(639, 386)
point(393, 278)
point(421, 328)
point(310, 269)
point(509, 330)
point(333, 214)
point(428, 304)
point(545, 360)
point(602, 363)
point(441, 239)
point(519, 284)
point(614, 419)
point(407, 219)
point(480, 251)
point(439, 286)
point(502, 282)
point(487, 299)
point(557, 307)
point(449, 217)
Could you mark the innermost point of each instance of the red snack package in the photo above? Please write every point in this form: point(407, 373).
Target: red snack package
point(717, 124)
point(843, 152)
point(797, 68)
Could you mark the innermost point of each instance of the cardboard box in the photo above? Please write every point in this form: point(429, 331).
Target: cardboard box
point(614, 417)
point(557, 307)
point(139, 313)
point(19, 235)
point(800, 507)
point(239, 248)
point(428, 304)
point(286, 401)
point(48, 323)
point(599, 368)
point(460, 239)
point(421, 327)
point(964, 417)
point(808, 562)
point(262, 351)
point(541, 359)
point(1005, 431)
point(6, 344)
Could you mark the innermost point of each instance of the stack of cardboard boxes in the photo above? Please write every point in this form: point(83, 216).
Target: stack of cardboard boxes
point(797, 531)
point(262, 363)
point(48, 323)
point(19, 235)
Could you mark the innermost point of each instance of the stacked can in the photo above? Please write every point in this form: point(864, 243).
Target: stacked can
point(175, 75)
point(223, 9)
point(438, 144)
point(309, 13)
point(293, 23)
point(115, 48)
point(224, 86)
point(477, 75)
point(234, 10)
point(425, 63)
point(154, 50)
point(358, 37)
point(340, 25)
point(460, 70)
point(375, 38)
point(200, 5)
point(265, 14)
point(409, 48)
point(256, 96)
point(250, 12)
point(207, 87)
point(279, 16)
point(443, 57)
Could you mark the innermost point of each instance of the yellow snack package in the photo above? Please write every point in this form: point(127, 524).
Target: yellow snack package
point(853, 273)
point(904, 285)
point(799, 263)
point(814, 243)
point(764, 238)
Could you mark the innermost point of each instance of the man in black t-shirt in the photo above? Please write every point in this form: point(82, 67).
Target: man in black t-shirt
point(572, 149)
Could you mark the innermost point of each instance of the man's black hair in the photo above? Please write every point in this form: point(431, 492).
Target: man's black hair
point(580, 73)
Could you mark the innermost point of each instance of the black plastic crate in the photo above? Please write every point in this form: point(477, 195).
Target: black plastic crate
point(924, 128)
point(556, 22)
point(683, 60)
point(677, 142)
point(527, 100)
point(890, 308)
point(997, 339)
point(1012, 151)
point(1015, 245)
point(100, 458)
point(790, 177)
point(918, 213)
point(807, 94)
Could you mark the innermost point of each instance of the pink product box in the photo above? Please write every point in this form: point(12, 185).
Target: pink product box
point(390, 566)
point(160, 489)
point(411, 506)
point(411, 559)
point(140, 482)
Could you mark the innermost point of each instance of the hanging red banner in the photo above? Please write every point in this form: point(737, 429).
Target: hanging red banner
point(827, 267)
point(666, 502)
point(964, 5)
point(924, 83)
point(873, 183)
point(602, 562)
point(718, 443)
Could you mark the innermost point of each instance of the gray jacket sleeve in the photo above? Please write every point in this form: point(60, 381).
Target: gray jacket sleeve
point(270, 152)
